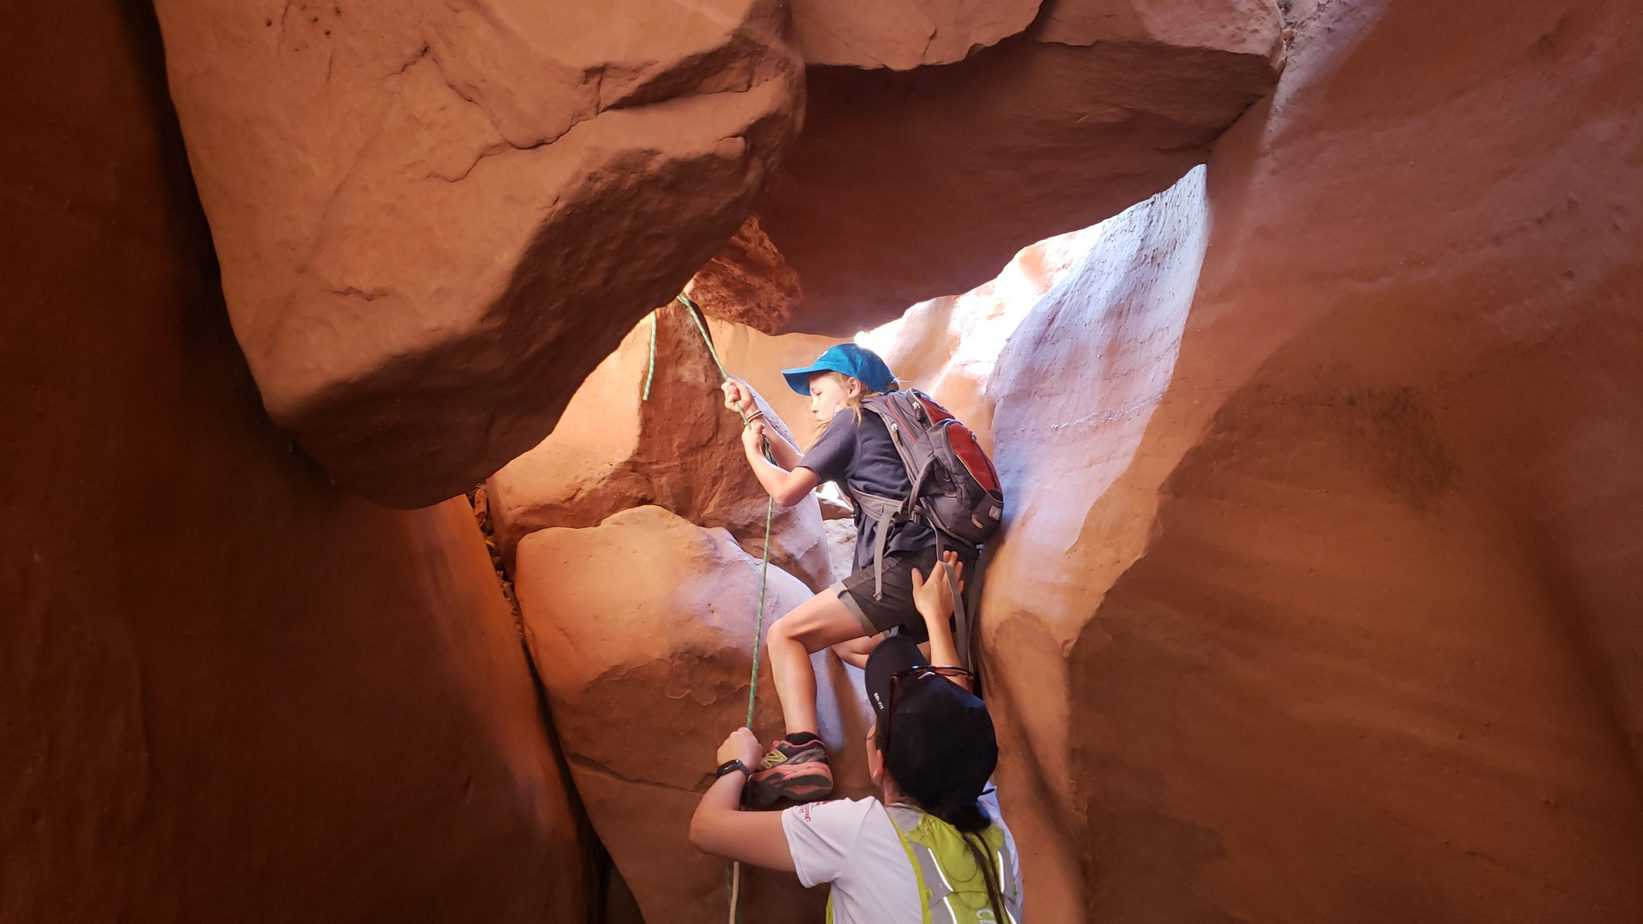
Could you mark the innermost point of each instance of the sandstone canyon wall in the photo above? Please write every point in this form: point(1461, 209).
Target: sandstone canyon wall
point(228, 691)
point(1318, 597)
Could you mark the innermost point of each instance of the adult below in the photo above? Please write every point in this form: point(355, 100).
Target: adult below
point(932, 846)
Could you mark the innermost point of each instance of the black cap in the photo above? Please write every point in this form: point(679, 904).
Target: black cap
point(942, 749)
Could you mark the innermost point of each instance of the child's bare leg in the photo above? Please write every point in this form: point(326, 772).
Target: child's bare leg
point(821, 621)
point(855, 651)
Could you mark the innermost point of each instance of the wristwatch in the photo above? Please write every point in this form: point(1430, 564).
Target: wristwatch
point(731, 766)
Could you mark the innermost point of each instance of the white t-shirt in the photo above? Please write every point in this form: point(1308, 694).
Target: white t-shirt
point(852, 844)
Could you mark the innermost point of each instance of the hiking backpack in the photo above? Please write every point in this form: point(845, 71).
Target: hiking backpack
point(954, 486)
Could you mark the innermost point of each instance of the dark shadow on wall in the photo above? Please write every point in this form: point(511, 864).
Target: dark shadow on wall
point(610, 901)
point(188, 607)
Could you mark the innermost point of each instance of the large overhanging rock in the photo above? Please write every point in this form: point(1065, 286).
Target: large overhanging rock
point(642, 631)
point(680, 449)
point(1337, 452)
point(909, 185)
point(434, 219)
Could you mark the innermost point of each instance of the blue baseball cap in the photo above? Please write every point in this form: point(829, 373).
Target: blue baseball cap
point(848, 359)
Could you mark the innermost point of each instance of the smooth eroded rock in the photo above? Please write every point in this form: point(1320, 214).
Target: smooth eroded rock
point(1330, 449)
point(433, 220)
point(642, 631)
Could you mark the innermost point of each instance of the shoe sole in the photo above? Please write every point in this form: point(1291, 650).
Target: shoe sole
point(796, 783)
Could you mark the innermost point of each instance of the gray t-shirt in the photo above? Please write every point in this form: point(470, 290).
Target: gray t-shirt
point(861, 457)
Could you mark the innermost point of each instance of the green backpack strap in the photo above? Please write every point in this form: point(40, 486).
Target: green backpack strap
point(918, 870)
point(950, 856)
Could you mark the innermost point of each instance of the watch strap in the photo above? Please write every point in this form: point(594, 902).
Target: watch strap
point(730, 766)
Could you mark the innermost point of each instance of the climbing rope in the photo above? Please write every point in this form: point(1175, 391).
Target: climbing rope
point(769, 514)
point(764, 558)
point(650, 369)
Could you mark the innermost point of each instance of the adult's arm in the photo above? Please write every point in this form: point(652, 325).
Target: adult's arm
point(721, 828)
point(933, 597)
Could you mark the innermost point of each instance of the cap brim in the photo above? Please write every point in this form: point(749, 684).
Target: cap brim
point(799, 379)
point(893, 655)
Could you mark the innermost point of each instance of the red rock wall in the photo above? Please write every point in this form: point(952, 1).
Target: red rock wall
point(1318, 599)
point(228, 692)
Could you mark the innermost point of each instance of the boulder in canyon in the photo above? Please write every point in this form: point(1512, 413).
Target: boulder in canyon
point(434, 219)
point(642, 631)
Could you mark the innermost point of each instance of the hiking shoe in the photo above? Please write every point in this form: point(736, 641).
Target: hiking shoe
point(795, 770)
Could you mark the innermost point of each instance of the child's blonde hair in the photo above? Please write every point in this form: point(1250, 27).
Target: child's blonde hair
point(853, 402)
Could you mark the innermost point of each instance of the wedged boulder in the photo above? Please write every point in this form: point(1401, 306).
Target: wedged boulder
point(914, 184)
point(229, 692)
point(642, 631)
point(903, 34)
point(679, 449)
point(1338, 487)
point(434, 219)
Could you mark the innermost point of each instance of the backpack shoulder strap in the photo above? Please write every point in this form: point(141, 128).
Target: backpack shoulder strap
point(913, 861)
point(891, 408)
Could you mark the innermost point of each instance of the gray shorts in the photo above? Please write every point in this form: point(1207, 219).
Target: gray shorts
point(894, 607)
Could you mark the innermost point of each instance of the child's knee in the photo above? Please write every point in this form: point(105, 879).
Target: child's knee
point(780, 631)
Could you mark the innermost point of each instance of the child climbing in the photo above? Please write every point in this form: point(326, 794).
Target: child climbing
point(852, 391)
point(932, 845)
